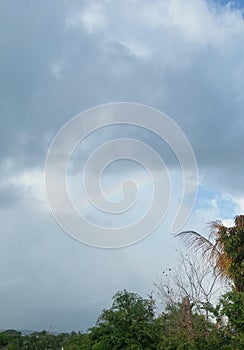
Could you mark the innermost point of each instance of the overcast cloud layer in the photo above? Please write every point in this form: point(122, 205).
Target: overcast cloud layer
point(58, 58)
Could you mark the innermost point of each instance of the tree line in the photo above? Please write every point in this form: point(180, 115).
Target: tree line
point(191, 318)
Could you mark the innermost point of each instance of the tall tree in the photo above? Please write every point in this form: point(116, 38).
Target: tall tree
point(129, 324)
point(224, 248)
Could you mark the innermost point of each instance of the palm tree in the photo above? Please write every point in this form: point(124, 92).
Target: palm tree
point(224, 249)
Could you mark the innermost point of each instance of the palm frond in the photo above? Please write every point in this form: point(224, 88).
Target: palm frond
point(216, 228)
point(195, 240)
point(212, 252)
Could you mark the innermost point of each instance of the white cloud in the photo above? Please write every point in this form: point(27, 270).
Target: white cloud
point(32, 180)
point(201, 23)
point(136, 48)
point(239, 201)
point(57, 68)
point(92, 19)
point(228, 222)
point(194, 21)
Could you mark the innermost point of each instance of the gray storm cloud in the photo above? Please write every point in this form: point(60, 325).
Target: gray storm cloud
point(58, 59)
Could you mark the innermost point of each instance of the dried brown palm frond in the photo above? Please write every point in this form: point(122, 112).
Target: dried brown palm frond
point(214, 247)
point(195, 240)
point(212, 250)
point(217, 229)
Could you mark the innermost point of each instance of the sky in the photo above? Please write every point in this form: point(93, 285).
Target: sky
point(59, 58)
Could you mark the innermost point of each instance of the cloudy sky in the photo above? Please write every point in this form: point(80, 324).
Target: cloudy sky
point(59, 58)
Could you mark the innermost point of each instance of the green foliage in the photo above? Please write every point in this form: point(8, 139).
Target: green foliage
point(203, 334)
point(77, 341)
point(224, 248)
point(232, 306)
point(4, 339)
point(129, 324)
point(229, 314)
point(233, 241)
point(46, 341)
